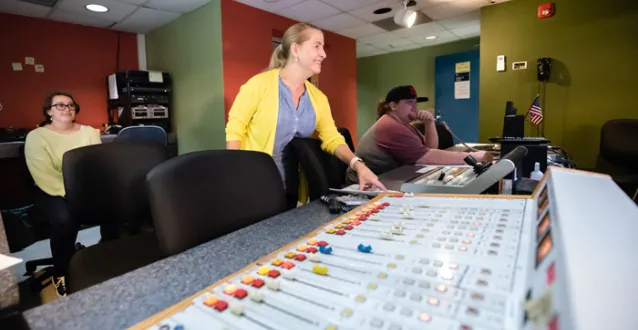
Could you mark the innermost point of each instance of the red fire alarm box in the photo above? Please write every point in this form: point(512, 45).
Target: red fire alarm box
point(546, 10)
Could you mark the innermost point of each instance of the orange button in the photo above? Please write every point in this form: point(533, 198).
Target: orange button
point(302, 248)
point(210, 301)
point(290, 255)
point(247, 279)
point(346, 222)
point(230, 289)
point(338, 226)
point(277, 262)
point(312, 241)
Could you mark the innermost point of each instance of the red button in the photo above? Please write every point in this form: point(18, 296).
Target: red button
point(340, 232)
point(273, 273)
point(220, 305)
point(551, 274)
point(258, 283)
point(553, 324)
point(241, 293)
point(301, 257)
point(348, 227)
point(398, 195)
point(363, 218)
point(287, 265)
point(386, 204)
point(322, 243)
point(355, 223)
point(311, 250)
point(375, 211)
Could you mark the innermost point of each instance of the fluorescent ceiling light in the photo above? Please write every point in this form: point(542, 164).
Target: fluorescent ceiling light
point(431, 37)
point(97, 8)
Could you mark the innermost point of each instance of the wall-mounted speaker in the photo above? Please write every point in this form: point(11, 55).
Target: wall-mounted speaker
point(543, 67)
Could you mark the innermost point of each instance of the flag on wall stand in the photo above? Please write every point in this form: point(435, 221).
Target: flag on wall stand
point(535, 111)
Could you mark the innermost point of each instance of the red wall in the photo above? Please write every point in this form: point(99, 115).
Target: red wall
point(76, 59)
point(247, 45)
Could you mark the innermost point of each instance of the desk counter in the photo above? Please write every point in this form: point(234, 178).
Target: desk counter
point(124, 301)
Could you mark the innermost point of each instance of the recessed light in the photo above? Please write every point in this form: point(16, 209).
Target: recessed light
point(96, 8)
point(431, 37)
point(382, 10)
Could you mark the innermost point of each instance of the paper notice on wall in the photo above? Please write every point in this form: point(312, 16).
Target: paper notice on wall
point(462, 85)
point(462, 67)
point(155, 76)
point(39, 68)
point(113, 88)
point(29, 60)
point(17, 66)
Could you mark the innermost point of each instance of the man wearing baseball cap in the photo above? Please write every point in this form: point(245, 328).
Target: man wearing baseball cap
point(392, 142)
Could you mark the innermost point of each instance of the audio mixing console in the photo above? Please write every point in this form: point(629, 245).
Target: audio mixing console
point(409, 261)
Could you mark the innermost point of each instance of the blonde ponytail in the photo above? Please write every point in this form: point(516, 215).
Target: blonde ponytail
point(294, 35)
point(278, 58)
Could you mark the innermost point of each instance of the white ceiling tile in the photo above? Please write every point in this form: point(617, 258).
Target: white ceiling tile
point(453, 9)
point(270, 6)
point(408, 47)
point(347, 5)
point(442, 35)
point(133, 2)
point(386, 36)
point(63, 16)
point(421, 29)
point(117, 10)
point(309, 11)
point(23, 8)
point(361, 47)
point(338, 22)
point(372, 53)
point(145, 20)
point(361, 31)
point(367, 12)
point(467, 31)
point(178, 6)
point(471, 18)
point(398, 42)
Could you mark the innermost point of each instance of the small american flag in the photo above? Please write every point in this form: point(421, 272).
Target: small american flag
point(535, 111)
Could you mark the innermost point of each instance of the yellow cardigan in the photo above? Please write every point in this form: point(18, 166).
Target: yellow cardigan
point(253, 117)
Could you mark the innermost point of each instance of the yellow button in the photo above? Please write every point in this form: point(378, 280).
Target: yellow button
point(290, 255)
point(425, 230)
point(321, 270)
point(419, 236)
point(372, 286)
point(413, 242)
point(230, 289)
point(354, 217)
point(263, 270)
point(360, 298)
point(312, 241)
point(400, 257)
point(382, 275)
point(302, 248)
point(346, 312)
point(210, 301)
point(331, 327)
point(346, 222)
point(247, 279)
point(277, 262)
point(330, 231)
point(338, 226)
point(392, 266)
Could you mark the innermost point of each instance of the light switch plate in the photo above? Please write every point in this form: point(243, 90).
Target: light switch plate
point(500, 63)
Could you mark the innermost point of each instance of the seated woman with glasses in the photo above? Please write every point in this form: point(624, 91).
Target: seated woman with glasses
point(44, 148)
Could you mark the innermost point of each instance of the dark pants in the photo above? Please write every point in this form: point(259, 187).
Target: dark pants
point(64, 229)
point(291, 173)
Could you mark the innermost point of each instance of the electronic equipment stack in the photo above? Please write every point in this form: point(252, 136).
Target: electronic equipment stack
point(140, 98)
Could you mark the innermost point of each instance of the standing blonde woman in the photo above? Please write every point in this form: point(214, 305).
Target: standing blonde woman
point(275, 106)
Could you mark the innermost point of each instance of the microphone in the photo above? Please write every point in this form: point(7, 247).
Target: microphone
point(334, 205)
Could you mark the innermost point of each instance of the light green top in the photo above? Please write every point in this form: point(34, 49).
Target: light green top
point(44, 149)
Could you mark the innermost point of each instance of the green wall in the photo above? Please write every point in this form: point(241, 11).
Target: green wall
point(594, 46)
point(190, 49)
point(376, 75)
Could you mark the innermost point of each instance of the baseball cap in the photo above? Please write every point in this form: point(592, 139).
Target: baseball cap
point(399, 93)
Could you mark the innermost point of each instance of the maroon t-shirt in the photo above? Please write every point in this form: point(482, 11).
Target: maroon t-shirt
point(389, 144)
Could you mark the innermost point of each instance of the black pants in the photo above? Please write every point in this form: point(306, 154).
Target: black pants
point(64, 229)
point(291, 173)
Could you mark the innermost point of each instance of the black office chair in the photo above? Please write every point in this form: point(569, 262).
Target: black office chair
point(618, 155)
point(105, 185)
point(199, 196)
point(146, 133)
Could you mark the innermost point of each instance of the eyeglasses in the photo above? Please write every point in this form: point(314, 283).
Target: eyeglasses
point(62, 107)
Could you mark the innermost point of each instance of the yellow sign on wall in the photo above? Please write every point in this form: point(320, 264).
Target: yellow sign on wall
point(462, 67)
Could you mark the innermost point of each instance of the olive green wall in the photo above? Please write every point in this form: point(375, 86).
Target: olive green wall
point(594, 47)
point(190, 49)
point(376, 75)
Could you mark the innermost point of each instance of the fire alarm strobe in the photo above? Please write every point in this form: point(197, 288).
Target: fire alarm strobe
point(546, 10)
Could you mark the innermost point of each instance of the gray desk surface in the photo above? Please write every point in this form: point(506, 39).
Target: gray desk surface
point(124, 301)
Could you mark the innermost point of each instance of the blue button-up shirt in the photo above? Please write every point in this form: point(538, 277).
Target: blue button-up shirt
point(291, 122)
